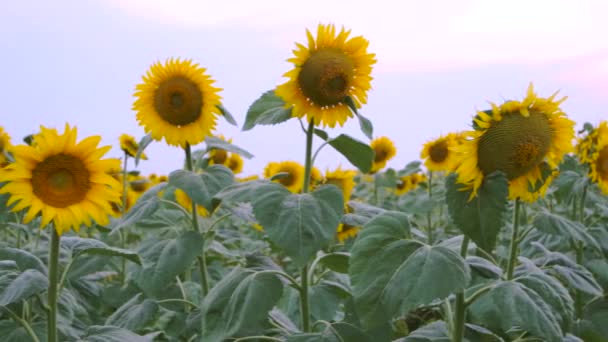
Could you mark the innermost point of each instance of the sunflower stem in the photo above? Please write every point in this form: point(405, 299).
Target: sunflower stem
point(202, 263)
point(304, 303)
point(514, 241)
point(52, 290)
point(123, 233)
point(460, 309)
point(578, 300)
point(428, 215)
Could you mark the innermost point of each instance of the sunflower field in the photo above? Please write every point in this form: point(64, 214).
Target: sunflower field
point(498, 233)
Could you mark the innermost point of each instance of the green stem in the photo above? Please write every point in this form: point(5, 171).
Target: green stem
point(24, 324)
point(460, 310)
point(514, 241)
point(52, 291)
point(123, 233)
point(202, 263)
point(428, 215)
point(295, 284)
point(304, 303)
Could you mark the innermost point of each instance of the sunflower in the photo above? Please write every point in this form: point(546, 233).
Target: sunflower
point(5, 144)
point(184, 200)
point(593, 151)
point(177, 101)
point(235, 163)
point(315, 176)
point(439, 154)
point(217, 155)
point(384, 150)
point(131, 199)
point(129, 146)
point(409, 182)
point(345, 232)
point(526, 140)
point(65, 181)
point(332, 68)
point(343, 179)
point(294, 178)
point(138, 184)
point(248, 178)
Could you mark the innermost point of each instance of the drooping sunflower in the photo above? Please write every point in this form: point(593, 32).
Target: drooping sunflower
point(235, 163)
point(345, 232)
point(217, 155)
point(524, 139)
point(5, 144)
point(384, 150)
point(184, 200)
point(593, 151)
point(327, 71)
point(129, 146)
point(65, 181)
point(409, 182)
point(177, 101)
point(294, 178)
point(438, 154)
point(343, 179)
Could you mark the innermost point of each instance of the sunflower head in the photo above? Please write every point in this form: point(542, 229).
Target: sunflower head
point(293, 177)
point(523, 139)
point(65, 181)
point(5, 144)
point(593, 151)
point(139, 184)
point(129, 146)
point(409, 182)
point(327, 71)
point(178, 102)
point(384, 150)
point(346, 231)
point(235, 163)
point(184, 200)
point(343, 179)
point(439, 154)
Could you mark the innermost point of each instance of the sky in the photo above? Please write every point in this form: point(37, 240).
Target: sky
point(439, 61)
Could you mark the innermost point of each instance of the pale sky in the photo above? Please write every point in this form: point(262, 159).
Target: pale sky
point(438, 62)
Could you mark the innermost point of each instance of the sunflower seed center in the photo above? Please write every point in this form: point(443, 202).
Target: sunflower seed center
point(439, 151)
point(178, 101)
point(61, 180)
point(602, 163)
point(326, 77)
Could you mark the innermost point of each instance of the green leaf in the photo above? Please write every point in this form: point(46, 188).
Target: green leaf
point(81, 246)
point(16, 287)
point(321, 133)
point(300, 224)
point(482, 217)
point(360, 154)
point(335, 332)
point(201, 187)
point(336, 261)
point(560, 226)
point(239, 304)
point(599, 269)
point(219, 144)
point(143, 144)
point(165, 259)
point(226, 114)
point(134, 314)
point(366, 126)
point(433, 332)
point(269, 109)
point(484, 267)
point(145, 206)
point(98, 333)
point(12, 331)
point(24, 259)
point(391, 275)
point(510, 304)
point(593, 327)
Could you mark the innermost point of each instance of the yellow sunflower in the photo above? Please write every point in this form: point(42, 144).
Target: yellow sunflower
point(65, 181)
point(131, 199)
point(184, 200)
point(595, 154)
point(235, 163)
point(153, 178)
point(163, 178)
point(294, 178)
point(129, 146)
point(525, 140)
point(332, 68)
point(5, 144)
point(219, 156)
point(138, 184)
point(384, 150)
point(345, 232)
point(177, 101)
point(343, 179)
point(409, 182)
point(438, 154)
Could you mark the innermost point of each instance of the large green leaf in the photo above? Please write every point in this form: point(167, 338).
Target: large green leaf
point(12, 331)
point(301, 224)
point(360, 154)
point(239, 304)
point(325, 300)
point(83, 246)
point(165, 259)
point(438, 332)
point(134, 314)
point(23, 259)
point(599, 269)
point(335, 332)
point(391, 275)
point(145, 206)
point(201, 187)
point(108, 333)
point(511, 304)
point(336, 261)
point(593, 327)
point(217, 143)
point(269, 109)
point(482, 217)
point(555, 224)
point(17, 286)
